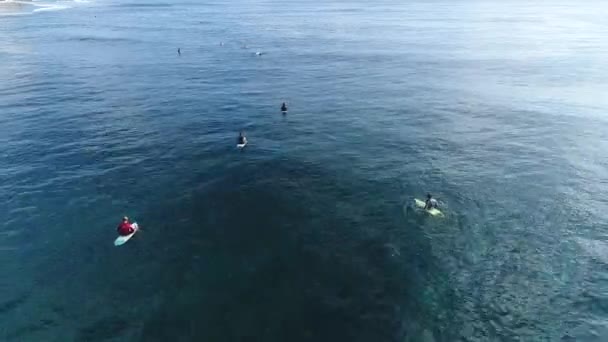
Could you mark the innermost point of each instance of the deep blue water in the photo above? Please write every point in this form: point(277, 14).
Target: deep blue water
point(497, 107)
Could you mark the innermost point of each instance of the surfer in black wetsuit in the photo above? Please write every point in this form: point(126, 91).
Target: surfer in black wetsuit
point(241, 140)
point(179, 51)
point(430, 202)
point(283, 107)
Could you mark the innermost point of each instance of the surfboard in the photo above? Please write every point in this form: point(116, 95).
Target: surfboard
point(121, 240)
point(432, 211)
point(241, 145)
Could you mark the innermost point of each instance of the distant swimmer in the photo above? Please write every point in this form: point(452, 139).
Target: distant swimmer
point(179, 51)
point(283, 107)
point(125, 227)
point(431, 202)
point(242, 140)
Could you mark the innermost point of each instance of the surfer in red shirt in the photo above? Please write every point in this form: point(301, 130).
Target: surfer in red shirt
point(125, 228)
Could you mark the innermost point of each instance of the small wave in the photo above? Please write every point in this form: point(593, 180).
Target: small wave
point(15, 8)
point(10, 7)
point(131, 5)
point(102, 39)
point(10, 233)
point(49, 8)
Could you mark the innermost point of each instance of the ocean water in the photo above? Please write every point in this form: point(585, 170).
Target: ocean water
point(498, 108)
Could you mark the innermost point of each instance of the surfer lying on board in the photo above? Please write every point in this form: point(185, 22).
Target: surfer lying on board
point(430, 202)
point(242, 140)
point(125, 227)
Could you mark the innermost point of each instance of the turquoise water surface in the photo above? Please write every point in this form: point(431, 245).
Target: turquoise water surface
point(498, 108)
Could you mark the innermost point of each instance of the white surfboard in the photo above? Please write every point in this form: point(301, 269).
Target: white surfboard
point(121, 240)
point(240, 146)
point(432, 211)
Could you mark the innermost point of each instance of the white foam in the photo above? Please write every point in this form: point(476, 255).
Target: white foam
point(17, 7)
point(28, 3)
point(595, 248)
point(14, 14)
point(47, 8)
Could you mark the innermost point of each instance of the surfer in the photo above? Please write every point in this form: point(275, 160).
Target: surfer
point(242, 140)
point(283, 107)
point(179, 51)
point(430, 202)
point(125, 227)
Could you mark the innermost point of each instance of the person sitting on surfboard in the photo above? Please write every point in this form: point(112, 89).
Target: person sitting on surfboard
point(430, 202)
point(242, 140)
point(283, 107)
point(125, 227)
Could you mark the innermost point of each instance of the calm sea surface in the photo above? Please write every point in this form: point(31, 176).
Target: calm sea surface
point(499, 108)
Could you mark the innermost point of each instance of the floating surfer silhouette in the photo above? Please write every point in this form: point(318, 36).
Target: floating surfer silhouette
point(430, 202)
point(241, 141)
